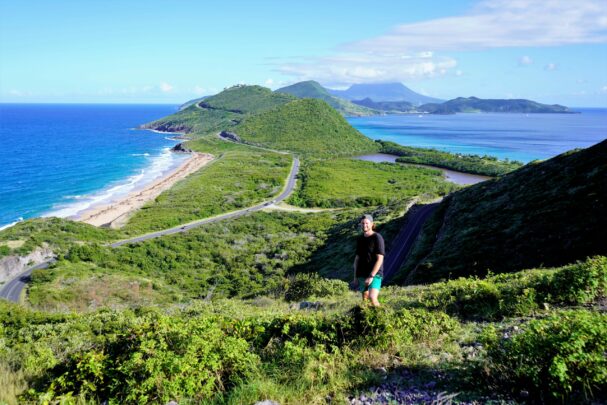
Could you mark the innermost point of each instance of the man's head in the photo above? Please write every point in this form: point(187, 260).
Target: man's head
point(366, 222)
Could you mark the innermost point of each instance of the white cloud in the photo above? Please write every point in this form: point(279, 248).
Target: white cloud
point(269, 82)
point(409, 51)
point(368, 68)
point(550, 66)
point(459, 73)
point(498, 24)
point(525, 60)
point(604, 89)
point(165, 87)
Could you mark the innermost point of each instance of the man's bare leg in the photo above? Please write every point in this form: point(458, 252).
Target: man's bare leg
point(366, 295)
point(373, 295)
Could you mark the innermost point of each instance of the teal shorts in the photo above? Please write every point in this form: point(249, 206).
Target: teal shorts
point(376, 283)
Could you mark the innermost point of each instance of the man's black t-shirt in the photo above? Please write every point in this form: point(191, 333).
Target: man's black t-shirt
point(367, 249)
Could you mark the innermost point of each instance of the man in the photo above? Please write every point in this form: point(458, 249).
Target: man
point(368, 264)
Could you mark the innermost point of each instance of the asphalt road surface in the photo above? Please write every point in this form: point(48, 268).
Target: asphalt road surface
point(12, 290)
point(404, 240)
point(234, 214)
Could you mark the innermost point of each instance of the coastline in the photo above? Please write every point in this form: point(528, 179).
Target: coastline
point(116, 213)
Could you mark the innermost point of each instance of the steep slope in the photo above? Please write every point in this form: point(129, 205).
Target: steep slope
point(306, 126)
point(312, 89)
point(221, 111)
point(384, 92)
point(544, 214)
point(474, 104)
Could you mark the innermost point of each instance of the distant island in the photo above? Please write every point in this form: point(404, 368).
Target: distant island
point(474, 104)
point(396, 98)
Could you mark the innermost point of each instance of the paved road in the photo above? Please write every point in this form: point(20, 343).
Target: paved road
point(404, 240)
point(12, 290)
point(234, 214)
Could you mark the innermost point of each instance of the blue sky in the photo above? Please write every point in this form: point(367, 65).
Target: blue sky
point(171, 51)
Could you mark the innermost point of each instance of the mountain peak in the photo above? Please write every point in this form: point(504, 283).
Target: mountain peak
point(393, 91)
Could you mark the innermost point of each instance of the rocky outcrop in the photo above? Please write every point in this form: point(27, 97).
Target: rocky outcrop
point(11, 266)
point(230, 136)
point(180, 149)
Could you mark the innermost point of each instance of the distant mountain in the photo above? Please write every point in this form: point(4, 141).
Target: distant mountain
point(474, 104)
point(544, 214)
point(384, 92)
point(386, 106)
point(312, 89)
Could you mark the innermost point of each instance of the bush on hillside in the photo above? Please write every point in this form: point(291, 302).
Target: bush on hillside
point(561, 357)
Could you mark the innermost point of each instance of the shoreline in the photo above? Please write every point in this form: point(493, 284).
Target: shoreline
point(116, 213)
point(450, 175)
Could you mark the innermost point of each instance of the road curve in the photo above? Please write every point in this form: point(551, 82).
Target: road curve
point(12, 289)
point(234, 214)
point(403, 242)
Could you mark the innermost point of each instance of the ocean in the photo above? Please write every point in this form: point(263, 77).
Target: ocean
point(60, 159)
point(522, 137)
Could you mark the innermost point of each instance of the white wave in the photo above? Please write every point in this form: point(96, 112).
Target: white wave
point(3, 227)
point(140, 154)
point(159, 165)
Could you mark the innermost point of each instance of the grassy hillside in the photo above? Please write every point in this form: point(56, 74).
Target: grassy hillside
point(221, 111)
point(544, 214)
point(486, 341)
point(357, 183)
point(386, 106)
point(308, 127)
point(312, 89)
point(483, 165)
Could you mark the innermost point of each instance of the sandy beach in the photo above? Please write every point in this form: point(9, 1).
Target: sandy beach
point(117, 212)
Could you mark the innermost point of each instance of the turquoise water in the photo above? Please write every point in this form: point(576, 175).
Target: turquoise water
point(59, 159)
point(522, 137)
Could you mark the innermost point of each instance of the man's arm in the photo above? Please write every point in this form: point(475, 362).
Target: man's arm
point(355, 267)
point(376, 267)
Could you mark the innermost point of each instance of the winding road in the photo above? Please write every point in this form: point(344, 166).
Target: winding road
point(12, 289)
point(394, 259)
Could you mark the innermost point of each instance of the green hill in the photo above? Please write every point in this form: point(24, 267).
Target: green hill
point(386, 106)
point(312, 89)
point(473, 104)
point(544, 214)
point(221, 111)
point(307, 126)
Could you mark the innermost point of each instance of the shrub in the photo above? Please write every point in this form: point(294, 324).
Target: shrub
point(305, 285)
point(579, 283)
point(559, 357)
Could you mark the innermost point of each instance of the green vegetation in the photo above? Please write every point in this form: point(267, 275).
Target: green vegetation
point(308, 127)
point(559, 358)
point(483, 165)
point(350, 182)
point(214, 315)
point(312, 89)
point(386, 106)
point(241, 351)
point(221, 111)
point(544, 214)
point(215, 189)
point(58, 234)
point(473, 104)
